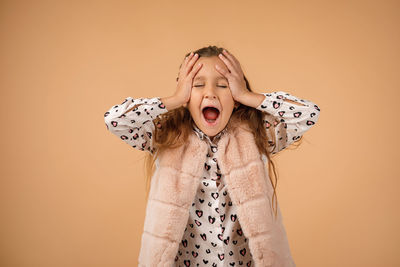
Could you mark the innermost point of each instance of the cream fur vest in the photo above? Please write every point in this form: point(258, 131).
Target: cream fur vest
point(174, 186)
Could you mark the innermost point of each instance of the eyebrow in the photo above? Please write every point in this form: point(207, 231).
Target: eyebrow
point(202, 77)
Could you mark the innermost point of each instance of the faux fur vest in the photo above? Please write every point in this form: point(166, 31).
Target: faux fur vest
point(174, 186)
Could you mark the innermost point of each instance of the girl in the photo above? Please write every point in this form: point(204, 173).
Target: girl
point(211, 200)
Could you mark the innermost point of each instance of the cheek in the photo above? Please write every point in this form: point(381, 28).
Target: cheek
point(227, 94)
point(194, 104)
point(193, 97)
point(228, 101)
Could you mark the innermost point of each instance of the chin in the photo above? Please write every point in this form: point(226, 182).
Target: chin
point(211, 133)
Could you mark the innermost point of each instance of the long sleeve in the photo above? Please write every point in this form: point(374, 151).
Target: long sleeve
point(291, 120)
point(132, 121)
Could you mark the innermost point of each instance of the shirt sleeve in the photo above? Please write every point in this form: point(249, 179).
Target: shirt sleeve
point(132, 121)
point(290, 120)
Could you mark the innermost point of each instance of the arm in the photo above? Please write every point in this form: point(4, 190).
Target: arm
point(132, 121)
point(290, 115)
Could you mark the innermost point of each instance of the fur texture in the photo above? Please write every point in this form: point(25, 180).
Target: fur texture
point(174, 186)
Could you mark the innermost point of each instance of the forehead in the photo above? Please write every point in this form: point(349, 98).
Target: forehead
point(208, 71)
point(205, 77)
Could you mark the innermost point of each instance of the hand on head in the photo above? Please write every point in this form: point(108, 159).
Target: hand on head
point(234, 75)
point(185, 77)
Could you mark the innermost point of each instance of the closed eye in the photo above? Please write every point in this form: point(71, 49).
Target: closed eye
point(222, 86)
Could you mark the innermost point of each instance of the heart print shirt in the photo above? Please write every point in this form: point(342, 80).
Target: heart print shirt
point(213, 235)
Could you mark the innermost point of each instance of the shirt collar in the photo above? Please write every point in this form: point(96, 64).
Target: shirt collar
point(203, 136)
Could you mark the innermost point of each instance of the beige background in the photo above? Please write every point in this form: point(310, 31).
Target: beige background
point(72, 194)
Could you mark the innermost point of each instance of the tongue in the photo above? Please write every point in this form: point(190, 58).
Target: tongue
point(210, 113)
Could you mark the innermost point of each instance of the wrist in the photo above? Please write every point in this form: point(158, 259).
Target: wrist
point(179, 99)
point(242, 97)
point(172, 102)
point(251, 99)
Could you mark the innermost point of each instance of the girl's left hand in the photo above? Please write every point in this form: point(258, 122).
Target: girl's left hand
point(235, 76)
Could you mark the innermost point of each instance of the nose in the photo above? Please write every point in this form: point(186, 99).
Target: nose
point(210, 96)
point(210, 93)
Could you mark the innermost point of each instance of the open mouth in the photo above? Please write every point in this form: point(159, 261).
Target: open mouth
point(210, 115)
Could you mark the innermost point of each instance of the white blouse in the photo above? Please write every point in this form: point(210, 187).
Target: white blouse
point(213, 235)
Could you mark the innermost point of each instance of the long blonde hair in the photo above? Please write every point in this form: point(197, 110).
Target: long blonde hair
point(178, 123)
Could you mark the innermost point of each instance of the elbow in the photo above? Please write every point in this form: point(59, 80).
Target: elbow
point(315, 113)
point(108, 121)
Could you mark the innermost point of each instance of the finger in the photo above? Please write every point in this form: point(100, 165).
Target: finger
point(193, 59)
point(183, 67)
point(194, 71)
point(191, 63)
point(224, 72)
point(187, 58)
point(228, 63)
point(236, 62)
point(234, 59)
point(184, 63)
point(231, 57)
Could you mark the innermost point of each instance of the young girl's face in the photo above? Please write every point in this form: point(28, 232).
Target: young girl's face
point(210, 88)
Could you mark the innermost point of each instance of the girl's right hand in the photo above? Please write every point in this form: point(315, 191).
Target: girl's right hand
point(185, 77)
